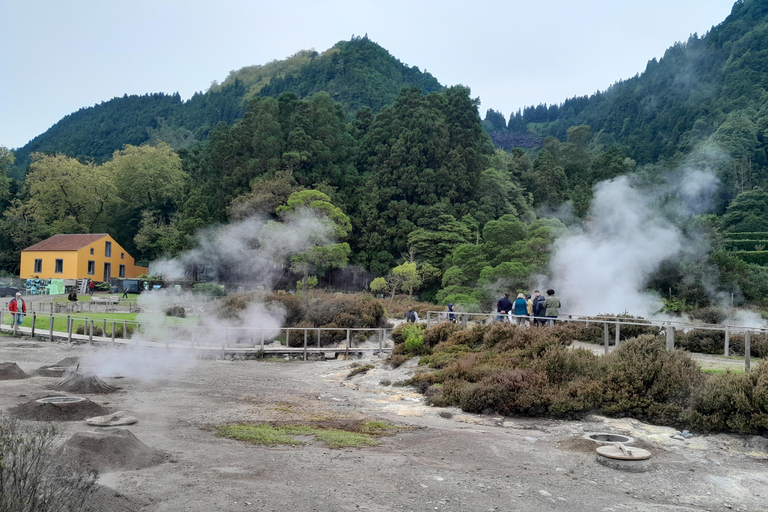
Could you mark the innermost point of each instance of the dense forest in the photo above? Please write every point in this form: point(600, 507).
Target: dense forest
point(430, 203)
point(357, 73)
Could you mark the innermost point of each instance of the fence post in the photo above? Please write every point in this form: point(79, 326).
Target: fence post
point(727, 341)
point(262, 339)
point(70, 324)
point(348, 339)
point(606, 337)
point(318, 338)
point(618, 332)
point(104, 328)
point(464, 321)
point(34, 320)
point(90, 332)
point(287, 333)
point(125, 330)
point(113, 332)
point(381, 341)
point(429, 318)
point(747, 350)
point(305, 344)
point(670, 336)
point(50, 328)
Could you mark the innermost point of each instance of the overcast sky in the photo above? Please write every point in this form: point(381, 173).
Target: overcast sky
point(61, 55)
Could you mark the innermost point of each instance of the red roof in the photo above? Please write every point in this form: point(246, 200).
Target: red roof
point(66, 242)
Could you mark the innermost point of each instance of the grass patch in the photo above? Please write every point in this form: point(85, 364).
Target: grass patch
point(60, 321)
point(342, 435)
point(720, 371)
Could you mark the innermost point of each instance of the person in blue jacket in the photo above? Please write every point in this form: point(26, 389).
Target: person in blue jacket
point(520, 309)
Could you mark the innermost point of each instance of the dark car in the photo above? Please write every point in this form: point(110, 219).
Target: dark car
point(6, 291)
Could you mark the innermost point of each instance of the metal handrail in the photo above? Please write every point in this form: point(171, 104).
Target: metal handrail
point(668, 326)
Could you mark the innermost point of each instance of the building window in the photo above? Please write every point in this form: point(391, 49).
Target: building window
point(91, 267)
point(108, 249)
point(59, 267)
point(122, 270)
point(91, 250)
point(38, 266)
point(122, 255)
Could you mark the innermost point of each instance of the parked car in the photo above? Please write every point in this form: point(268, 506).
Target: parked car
point(7, 291)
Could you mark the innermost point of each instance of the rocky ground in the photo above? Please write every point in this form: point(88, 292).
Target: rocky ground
point(441, 459)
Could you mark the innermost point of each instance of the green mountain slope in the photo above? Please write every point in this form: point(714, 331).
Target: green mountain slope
point(707, 92)
point(358, 73)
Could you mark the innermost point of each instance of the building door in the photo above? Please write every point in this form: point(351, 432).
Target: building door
point(107, 271)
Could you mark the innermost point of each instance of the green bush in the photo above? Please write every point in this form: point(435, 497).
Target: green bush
point(748, 235)
point(399, 333)
point(414, 340)
point(732, 402)
point(746, 244)
point(644, 380)
point(209, 289)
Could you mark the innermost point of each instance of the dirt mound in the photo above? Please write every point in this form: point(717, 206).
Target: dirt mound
point(68, 362)
point(110, 450)
point(58, 410)
point(11, 371)
point(84, 383)
point(58, 369)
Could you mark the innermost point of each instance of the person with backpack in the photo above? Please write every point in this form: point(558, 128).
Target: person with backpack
point(538, 308)
point(411, 316)
point(17, 311)
point(91, 287)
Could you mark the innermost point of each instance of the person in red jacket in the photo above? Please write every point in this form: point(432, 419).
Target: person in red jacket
point(16, 311)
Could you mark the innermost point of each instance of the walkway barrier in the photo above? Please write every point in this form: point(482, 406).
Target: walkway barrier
point(226, 339)
point(666, 327)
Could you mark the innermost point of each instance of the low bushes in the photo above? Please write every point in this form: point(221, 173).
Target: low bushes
point(99, 331)
point(713, 342)
point(325, 311)
point(532, 371)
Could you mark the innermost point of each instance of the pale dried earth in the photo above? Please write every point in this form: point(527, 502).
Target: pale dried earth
point(442, 459)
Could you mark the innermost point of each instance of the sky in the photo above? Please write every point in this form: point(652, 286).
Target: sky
point(62, 55)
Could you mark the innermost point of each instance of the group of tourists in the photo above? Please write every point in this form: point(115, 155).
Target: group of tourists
point(527, 310)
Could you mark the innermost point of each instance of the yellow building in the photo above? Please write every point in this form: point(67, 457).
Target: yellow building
point(92, 256)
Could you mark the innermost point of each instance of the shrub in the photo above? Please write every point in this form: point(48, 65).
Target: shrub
point(439, 333)
point(507, 392)
point(645, 380)
point(703, 341)
point(177, 311)
point(732, 402)
point(97, 330)
point(396, 360)
point(414, 340)
point(595, 331)
point(33, 477)
point(710, 315)
point(102, 287)
point(398, 333)
point(210, 289)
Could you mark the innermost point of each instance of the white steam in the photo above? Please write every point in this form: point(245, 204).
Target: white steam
point(604, 266)
point(251, 253)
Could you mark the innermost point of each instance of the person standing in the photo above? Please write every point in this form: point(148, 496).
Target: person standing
point(520, 308)
point(17, 307)
point(503, 307)
point(529, 310)
point(411, 316)
point(451, 316)
point(551, 307)
point(91, 287)
point(538, 308)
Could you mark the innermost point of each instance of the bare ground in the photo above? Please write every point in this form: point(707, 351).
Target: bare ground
point(442, 459)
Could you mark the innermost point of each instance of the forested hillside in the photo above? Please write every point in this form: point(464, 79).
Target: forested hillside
point(358, 73)
point(704, 101)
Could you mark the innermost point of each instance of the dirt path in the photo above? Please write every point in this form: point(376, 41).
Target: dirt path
point(446, 460)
